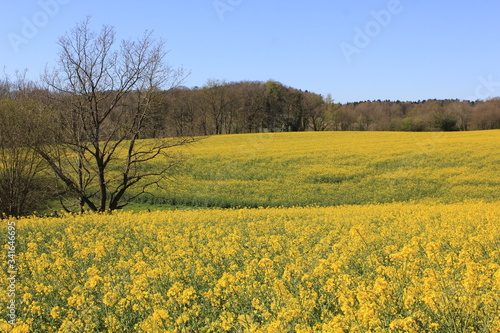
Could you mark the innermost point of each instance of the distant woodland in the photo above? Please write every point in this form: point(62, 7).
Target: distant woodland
point(248, 107)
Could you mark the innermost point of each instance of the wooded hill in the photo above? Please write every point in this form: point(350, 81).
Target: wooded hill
point(249, 107)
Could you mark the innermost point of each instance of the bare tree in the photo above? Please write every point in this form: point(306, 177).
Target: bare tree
point(253, 103)
point(181, 108)
point(219, 103)
point(463, 113)
point(105, 94)
point(315, 109)
point(346, 117)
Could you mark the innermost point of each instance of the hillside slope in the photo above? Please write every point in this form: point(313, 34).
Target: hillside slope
point(335, 168)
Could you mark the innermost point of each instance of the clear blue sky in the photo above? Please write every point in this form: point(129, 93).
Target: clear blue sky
point(418, 49)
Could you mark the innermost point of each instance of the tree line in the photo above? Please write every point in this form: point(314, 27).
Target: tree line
point(248, 107)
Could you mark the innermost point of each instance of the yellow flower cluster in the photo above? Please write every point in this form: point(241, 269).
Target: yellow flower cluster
point(336, 168)
point(400, 267)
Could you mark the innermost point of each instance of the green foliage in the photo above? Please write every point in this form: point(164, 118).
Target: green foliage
point(411, 124)
point(446, 122)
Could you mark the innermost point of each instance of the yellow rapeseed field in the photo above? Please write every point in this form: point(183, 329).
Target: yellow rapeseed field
point(328, 232)
point(400, 267)
point(336, 168)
